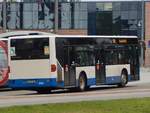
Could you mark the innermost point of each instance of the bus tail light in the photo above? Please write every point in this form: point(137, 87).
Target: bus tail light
point(53, 67)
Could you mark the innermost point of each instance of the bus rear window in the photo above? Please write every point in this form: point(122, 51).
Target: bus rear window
point(31, 48)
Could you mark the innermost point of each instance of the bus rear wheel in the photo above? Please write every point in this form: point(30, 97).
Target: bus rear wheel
point(124, 79)
point(82, 83)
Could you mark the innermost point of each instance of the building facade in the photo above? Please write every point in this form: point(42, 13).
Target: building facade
point(85, 17)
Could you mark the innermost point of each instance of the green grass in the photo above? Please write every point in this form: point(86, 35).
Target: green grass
point(113, 106)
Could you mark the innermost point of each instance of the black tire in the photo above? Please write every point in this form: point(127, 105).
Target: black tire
point(124, 79)
point(82, 83)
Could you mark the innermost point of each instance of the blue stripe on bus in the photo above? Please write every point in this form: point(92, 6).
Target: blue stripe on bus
point(109, 80)
point(91, 81)
point(27, 83)
point(113, 80)
point(52, 82)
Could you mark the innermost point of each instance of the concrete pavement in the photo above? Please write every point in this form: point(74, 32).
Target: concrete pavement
point(144, 78)
point(144, 75)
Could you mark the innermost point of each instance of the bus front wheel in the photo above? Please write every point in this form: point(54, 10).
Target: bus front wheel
point(82, 83)
point(124, 79)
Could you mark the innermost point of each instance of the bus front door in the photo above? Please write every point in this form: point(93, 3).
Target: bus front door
point(100, 67)
point(69, 69)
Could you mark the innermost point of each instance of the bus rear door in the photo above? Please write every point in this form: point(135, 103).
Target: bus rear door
point(69, 67)
point(100, 67)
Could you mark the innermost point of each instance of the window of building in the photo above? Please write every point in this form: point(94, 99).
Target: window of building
point(73, 16)
point(65, 16)
point(116, 6)
point(99, 6)
point(13, 16)
point(107, 6)
point(38, 16)
point(1, 17)
point(116, 18)
point(80, 16)
point(124, 6)
point(104, 23)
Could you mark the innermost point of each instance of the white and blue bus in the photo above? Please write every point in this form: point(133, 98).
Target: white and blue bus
point(45, 62)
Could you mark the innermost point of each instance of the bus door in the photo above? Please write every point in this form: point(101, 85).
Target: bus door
point(69, 67)
point(100, 66)
point(134, 62)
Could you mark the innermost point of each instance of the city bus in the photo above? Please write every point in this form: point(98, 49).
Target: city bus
point(4, 69)
point(46, 62)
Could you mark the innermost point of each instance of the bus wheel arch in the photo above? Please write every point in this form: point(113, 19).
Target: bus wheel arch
point(123, 78)
point(82, 81)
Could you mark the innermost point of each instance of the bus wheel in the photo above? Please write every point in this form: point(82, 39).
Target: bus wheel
point(124, 79)
point(82, 83)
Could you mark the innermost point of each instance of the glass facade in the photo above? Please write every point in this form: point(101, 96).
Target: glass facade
point(116, 18)
point(73, 16)
point(13, 16)
point(99, 18)
point(38, 15)
point(28, 15)
point(65, 16)
point(1, 17)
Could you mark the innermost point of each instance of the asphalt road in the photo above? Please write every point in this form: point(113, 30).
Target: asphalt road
point(137, 89)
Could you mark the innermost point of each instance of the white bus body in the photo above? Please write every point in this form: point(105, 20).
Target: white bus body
point(55, 61)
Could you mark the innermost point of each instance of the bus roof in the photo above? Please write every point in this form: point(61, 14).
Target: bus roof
point(71, 36)
point(96, 36)
point(22, 33)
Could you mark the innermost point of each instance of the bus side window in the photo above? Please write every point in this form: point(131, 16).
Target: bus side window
point(85, 56)
point(123, 57)
point(111, 57)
